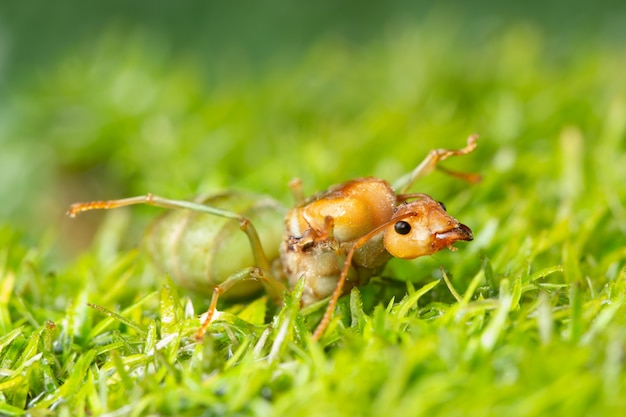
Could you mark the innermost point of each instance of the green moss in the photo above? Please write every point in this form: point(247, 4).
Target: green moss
point(530, 321)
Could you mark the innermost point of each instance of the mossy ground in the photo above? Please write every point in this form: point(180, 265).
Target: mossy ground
point(531, 322)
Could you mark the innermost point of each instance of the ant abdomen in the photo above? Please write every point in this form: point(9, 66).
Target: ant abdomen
point(198, 250)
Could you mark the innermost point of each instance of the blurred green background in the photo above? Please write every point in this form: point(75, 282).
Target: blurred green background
point(105, 100)
point(102, 100)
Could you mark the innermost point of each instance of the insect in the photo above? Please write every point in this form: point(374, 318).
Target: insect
point(334, 240)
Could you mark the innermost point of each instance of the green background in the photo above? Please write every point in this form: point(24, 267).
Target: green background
point(107, 100)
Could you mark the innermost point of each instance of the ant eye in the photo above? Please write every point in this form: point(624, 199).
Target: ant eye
point(402, 227)
point(443, 206)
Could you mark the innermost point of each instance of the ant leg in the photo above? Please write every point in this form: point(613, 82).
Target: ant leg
point(329, 227)
point(273, 287)
point(245, 274)
point(296, 190)
point(153, 200)
point(328, 313)
point(431, 161)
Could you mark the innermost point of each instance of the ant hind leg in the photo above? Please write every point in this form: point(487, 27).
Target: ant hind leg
point(252, 273)
point(260, 272)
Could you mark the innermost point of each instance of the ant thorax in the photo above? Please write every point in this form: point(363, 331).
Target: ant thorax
point(367, 215)
point(320, 232)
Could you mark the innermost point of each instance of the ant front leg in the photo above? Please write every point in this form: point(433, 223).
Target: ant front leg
point(431, 161)
point(332, 303)
point(295, 185)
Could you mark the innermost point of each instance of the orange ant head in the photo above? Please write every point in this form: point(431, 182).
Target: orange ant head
point(422, 228)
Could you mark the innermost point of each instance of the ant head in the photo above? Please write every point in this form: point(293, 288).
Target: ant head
point(422, 228)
